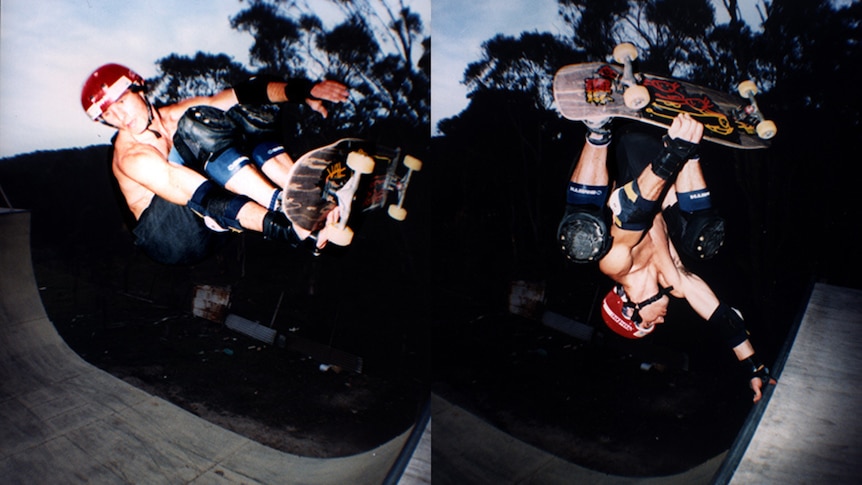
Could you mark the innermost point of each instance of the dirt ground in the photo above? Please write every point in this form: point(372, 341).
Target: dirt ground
point(656, 408)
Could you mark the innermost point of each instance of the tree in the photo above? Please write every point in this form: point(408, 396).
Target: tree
point(372, 50)
point(182, 77)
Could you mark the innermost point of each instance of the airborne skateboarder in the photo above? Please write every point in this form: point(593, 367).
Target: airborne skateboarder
point(660, 204)
point(179, 169)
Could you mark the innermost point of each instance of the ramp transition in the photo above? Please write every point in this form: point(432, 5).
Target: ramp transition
point(805, 430)
point(66, 421)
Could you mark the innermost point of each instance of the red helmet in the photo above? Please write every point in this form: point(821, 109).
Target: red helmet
point(620, 315)
point(105, 86)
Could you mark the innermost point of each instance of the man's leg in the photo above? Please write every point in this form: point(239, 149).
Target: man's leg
point(207, 140)
point(693, 224)
point(272, 159)
point(636, 203)
point(583, 231)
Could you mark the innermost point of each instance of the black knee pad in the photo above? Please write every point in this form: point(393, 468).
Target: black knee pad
point(699, 235)
point(202, 133)
point(583, 234)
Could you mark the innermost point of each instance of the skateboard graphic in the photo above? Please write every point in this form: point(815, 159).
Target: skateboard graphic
point(348, 174)
point(597, 90)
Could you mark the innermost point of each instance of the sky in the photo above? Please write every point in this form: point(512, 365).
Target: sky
point(49, 47)
point(459, 28)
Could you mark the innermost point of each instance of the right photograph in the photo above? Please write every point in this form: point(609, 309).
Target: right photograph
point(640, 274)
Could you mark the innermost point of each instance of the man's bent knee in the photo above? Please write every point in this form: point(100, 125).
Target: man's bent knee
point(583, 234)
point(206, 140)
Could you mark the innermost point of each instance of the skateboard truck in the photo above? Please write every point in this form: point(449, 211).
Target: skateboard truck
point(765, 129)
point(635, 96)
point(397, 211)
point(339, 233)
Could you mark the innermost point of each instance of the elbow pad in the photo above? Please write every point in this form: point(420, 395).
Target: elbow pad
point(730, 325)
point(253, 90)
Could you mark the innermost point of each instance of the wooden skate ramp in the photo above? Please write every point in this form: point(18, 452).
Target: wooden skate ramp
point(809, 430)
point(805, 430)
point(66, 421)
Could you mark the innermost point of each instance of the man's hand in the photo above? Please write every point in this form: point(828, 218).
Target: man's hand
point(759, 380)
point(326, 90)
point(684, 127)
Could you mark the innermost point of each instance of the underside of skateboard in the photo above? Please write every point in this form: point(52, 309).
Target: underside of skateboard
point(350, 175)
point(600, 90)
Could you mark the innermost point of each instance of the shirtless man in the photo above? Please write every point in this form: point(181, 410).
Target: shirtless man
point(174, 163)
point(664, 184)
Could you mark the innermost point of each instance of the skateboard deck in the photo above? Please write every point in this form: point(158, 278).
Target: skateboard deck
point(348, 174)
point(591, 91)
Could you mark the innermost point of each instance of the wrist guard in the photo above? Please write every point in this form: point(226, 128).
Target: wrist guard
point(757, 369)
point(671, 157)
point(298, 89)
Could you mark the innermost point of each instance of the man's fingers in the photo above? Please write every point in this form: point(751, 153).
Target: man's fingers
point(684, 127)
point(331, 91)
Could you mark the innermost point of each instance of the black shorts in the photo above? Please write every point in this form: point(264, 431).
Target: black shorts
point(636, 148)
point(173, 234)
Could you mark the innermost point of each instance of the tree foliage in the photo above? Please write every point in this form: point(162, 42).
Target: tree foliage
point(182, 77)
point(804, 55)
point(379, 48)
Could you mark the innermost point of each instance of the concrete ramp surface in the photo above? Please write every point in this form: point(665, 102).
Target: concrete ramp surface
point(66, 421)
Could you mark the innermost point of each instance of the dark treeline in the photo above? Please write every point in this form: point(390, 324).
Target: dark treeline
point(506, 158)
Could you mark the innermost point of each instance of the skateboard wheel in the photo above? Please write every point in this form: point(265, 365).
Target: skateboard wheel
point(360, 163)
point(340, 236)
point(636, 97)
point(412, 163)
point(747, 88)
point(397, 213)
point(624, 51)
point(766, 129)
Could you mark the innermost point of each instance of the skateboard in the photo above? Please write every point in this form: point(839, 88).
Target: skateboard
point(348, 174)
point(597, 90)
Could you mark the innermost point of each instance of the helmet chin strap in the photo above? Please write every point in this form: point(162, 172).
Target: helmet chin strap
point(137, 88)
point(150, 118)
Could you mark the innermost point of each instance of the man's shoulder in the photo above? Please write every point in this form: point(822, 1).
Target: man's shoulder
point(128, 150)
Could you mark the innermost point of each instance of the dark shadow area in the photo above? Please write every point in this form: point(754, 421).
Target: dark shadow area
point(134, 318)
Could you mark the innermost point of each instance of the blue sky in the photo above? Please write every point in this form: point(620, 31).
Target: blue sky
point(48, 48)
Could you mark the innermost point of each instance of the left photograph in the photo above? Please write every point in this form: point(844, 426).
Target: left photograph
point(215, 241)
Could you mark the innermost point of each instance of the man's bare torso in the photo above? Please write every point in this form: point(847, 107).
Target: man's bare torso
point(138, 197)
point(654, 262)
